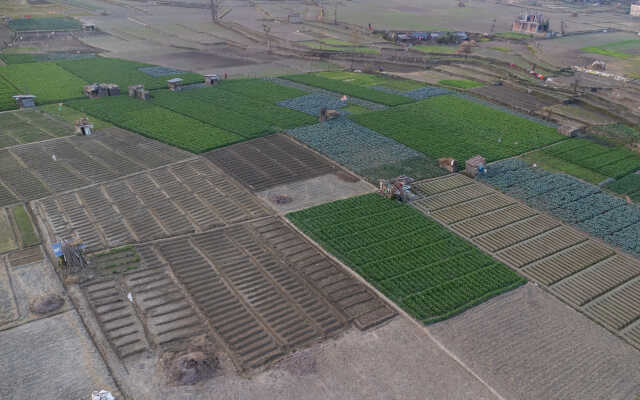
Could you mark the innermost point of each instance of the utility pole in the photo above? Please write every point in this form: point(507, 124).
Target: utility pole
point(335, 14)
point(215, 4)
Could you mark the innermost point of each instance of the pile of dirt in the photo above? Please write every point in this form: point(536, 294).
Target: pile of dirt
point(187, 367)
point(46, 304)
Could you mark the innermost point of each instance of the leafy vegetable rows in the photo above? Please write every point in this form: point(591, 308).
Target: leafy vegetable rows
point(350, 89)
point(156, 122)
point(427, 270)
point(47, 81)
point(434, 127)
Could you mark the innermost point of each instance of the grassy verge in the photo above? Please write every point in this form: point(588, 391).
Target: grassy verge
point(460, 83)
point(554, 164)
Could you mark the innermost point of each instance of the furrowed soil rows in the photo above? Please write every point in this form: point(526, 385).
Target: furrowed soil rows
point(36, 170)
point(514, 98)
point(589, 275)
point(186, 197)
point(266, 291)
point(30, 126)
point(267, 162)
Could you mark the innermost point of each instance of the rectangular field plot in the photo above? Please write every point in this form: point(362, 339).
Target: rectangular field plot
point(434, 127)
point(186, 197)
point(263, 289)
point(427, 270)
point(364, 151)
point(587, 274)
point(36, 170)
point(266, 162)
point(517, 99)
point(47, 81)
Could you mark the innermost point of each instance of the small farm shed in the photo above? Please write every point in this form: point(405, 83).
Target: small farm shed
point(101, 90)
point(137, 91)
point(398, 188)
point(211, 79)
point(25, 100)
point(175, 84)
point(635, 10)
point(448, 164)
point(89, 27)
point(475, 165)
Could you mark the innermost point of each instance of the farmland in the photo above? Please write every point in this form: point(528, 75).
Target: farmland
point(6, 91)
point(615, 49)
point(368, 80)
point(613, 162)
point(232, 111)
point(70, 115)
point(434, 127)
point(367, 152)
point(583, 205)
point(47, 81)
point(121, 72)
point(44, 24)
point(21, 127)
point(585, 273)
point(420, 265)
point(460, 83)
point(434, 49)
point(156, 122)
point(349, 89)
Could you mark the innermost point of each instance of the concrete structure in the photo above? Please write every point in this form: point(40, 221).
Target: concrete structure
point(101, 90)
point(530, 23)
point(635, 10)
point(84, 127)
point(25, 100)
point(137, 91)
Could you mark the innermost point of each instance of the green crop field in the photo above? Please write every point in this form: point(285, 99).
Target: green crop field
point(70, 115)
point(250, 109)
point(461, 83)
point(628, 185)
point(47, 81)
point(25, 227)
point(221, 117)
point(427, 270)
point(350, 89)
point(613, 162)
point(19, 58)
point(6, 91)
point(554, 164)
point(260, 90)
point(121, 72)
point(622, 49)
point(156, 122)
point(434, 48)
point(349, 49)
point(449, 126)
point(366, 80)
point(44, 24)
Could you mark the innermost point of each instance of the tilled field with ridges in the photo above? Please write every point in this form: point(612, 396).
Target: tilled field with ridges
point(192, 196)
point(267, 291)
point(270, 161)
point(585, 273)
point(35, 170)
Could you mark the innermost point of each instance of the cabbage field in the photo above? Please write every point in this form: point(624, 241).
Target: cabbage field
point(47, 81)
point(581, 204)
point(450, 126)
point(156, 123)
point(121, 72)
point(427, 270)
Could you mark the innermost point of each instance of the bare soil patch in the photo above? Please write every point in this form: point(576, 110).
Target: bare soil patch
point(47, 304)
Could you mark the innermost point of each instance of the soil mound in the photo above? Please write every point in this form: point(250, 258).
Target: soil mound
point(47, 304)
point(190, 366)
